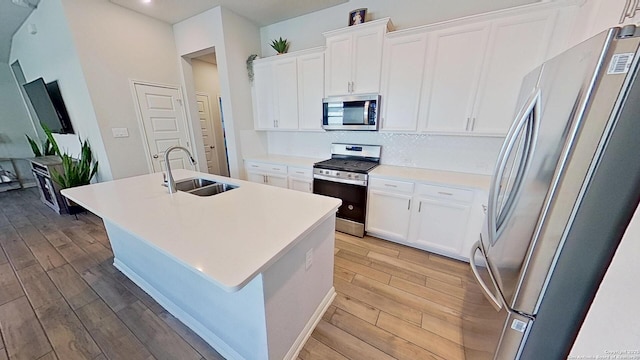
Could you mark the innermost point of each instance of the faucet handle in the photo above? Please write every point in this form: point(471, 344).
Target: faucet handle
point(164, 179)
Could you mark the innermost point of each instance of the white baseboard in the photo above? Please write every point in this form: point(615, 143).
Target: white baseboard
point(311, 325)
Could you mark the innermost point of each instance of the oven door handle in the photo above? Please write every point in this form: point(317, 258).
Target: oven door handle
point(343, 181)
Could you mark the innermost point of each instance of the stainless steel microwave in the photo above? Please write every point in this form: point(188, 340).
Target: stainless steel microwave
point(355, 112)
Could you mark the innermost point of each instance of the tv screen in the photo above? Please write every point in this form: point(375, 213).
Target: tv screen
point(49, 106)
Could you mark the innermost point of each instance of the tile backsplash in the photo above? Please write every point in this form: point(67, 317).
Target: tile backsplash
point(470, 154)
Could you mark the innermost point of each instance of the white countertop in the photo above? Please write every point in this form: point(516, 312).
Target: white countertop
point(230, 237)
point(284, 160)
point(475, 181)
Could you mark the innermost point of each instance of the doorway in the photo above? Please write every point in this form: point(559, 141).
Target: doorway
point(207, 87)
point(163, 122)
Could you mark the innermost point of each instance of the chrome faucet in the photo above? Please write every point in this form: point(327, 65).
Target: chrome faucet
point(171, 183)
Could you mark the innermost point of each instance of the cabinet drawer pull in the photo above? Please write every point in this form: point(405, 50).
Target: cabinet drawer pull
point(391, 185)
point(255, 166)
point(277, 169)
point(300, 172)
point(445, 193)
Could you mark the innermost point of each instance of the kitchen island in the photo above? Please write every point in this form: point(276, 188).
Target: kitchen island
point(250, 269)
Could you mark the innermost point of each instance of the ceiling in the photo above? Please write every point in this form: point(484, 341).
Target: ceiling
point(11, 17)
point(261, 12)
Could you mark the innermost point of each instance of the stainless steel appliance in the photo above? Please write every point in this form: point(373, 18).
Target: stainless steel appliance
point(564, 189)
point(355, 112)
point(344, 176)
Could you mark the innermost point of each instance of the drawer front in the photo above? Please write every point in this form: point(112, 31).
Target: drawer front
point(441, 192)
point(266, 167)
point(301, 172)
point(391, 185)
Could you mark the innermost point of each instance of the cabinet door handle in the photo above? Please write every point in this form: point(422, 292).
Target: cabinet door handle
point(445, 193)
point(466, 128)
point(310, 190)
point(473, 124)
point(264, 179)
point(409, 205)
point(420, 206)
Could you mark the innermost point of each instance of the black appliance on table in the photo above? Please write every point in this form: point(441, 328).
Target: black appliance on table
point(345, 176)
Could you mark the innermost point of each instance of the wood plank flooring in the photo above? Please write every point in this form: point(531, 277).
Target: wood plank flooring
point(61, 298)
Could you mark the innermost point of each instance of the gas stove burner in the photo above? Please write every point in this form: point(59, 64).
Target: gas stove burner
point(359, 166)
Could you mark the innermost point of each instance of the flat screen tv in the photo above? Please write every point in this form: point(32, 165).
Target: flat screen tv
point(49, 106)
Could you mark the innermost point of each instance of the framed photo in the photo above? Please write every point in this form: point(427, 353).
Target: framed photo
point(357, 16)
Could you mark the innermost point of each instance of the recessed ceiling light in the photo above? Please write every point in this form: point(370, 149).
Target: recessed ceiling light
point(146, 1)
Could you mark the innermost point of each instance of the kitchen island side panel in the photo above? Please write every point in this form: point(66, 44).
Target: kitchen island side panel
point(231, 322)
point(298, 289)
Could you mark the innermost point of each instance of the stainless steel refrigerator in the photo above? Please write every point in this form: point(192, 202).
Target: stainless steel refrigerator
point(566, 184)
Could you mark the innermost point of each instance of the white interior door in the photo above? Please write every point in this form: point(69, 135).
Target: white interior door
point(208, 133)
point(163, 121)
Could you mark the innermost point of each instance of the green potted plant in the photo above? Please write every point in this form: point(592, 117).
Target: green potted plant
point(280, 46)
point(75, 172)
point(47, 147)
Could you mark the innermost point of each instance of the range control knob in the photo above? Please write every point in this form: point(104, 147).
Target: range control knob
point(337, 174)
point(349, 175)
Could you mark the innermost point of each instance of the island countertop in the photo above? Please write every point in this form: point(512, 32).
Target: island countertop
point(229, 237)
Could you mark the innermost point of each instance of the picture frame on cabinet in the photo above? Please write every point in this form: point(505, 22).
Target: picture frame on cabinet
point(357, 16)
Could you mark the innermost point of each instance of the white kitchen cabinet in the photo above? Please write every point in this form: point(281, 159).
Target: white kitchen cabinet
point(264, 100)
point(354, 58)
point(288, 91)
point(285, 84)
point(453, 74)
point(276, 85)
point(265, 173)
point(301, 179)
point(310, 91)
point(403, 68)
point(389, 208)
point(474, 72)
point(517, 45)
point(439, 225)
point(439, 219)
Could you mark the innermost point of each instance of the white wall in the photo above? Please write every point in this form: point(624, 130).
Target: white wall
point(52, 54)
point(450, 153)
point(116, 45)
point(596, 16)
point(15, 123)
point(234, 38)
point(611, 325)
point(206, 80)
point(305, 31)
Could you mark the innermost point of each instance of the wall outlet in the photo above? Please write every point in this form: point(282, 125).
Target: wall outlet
point(120, 132)
point(308, 259)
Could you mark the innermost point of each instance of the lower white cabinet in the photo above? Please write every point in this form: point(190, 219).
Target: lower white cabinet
point(301, 179)
point(295, 178)
point(268, 179)
point(439, 225)
point(433, 217)
point(389, 214)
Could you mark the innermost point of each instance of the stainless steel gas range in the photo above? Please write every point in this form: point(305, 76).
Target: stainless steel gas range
point(345, 176)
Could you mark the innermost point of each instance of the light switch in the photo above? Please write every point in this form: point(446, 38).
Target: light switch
point(120, 132)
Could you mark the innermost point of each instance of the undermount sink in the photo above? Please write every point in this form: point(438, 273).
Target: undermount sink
point(202, 187)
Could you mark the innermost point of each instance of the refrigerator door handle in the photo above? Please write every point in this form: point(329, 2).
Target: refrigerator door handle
point(503, 157)
point(495, 302)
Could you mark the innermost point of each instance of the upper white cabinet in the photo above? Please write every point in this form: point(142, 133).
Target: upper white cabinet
point(288, 91)
point(275, 85)
point(461, 77)
point(310, 91)
point(475, 71)
point(403, 68)
point(516, 46)
point(354, 58)
point(453, 75)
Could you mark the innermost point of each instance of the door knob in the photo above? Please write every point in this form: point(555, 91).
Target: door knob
point(155, 156)
point(211, 147)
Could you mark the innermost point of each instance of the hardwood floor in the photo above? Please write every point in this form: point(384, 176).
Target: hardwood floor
point(60, 298)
